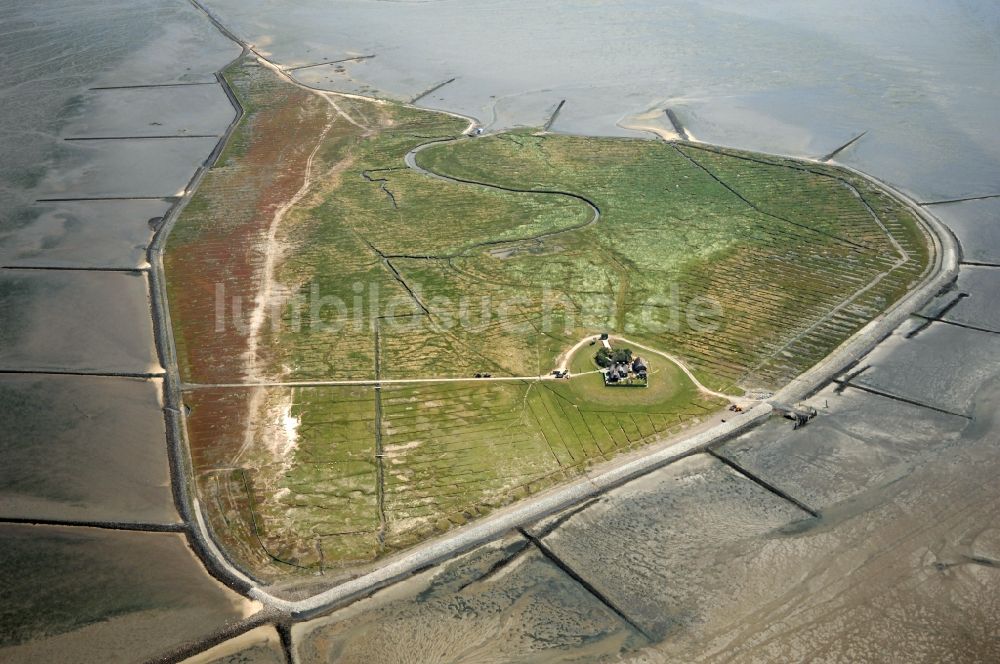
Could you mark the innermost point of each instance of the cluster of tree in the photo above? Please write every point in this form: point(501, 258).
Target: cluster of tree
point(605, 358)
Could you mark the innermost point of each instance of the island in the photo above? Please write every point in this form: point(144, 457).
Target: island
point(349, 265)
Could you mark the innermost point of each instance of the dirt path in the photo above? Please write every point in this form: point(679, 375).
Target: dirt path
point(272, 251)
point(268, 297)
point(563, 364)
point(683, 367)
point(382, 381)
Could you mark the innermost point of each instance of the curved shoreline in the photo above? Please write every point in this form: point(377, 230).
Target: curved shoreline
point(178, 452)
point(942, 271)
point(594, 482)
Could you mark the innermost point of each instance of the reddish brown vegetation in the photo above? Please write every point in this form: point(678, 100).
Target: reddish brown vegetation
point(216, 249)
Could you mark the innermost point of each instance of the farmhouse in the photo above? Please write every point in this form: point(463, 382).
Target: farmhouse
point(620, 369)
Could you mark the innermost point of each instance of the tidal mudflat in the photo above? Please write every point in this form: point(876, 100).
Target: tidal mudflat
point(943, 366)
point(502, 602)
point(92, 448)
point(82, 448)
point(85, 322)
point(974, 301)
point(671, 543)
point(976, 226)
point(181, 111)
point(71, 591)
point(112, 168)
point(55, 54)
point(901, 563)
point(844, 456)
point(82, 234)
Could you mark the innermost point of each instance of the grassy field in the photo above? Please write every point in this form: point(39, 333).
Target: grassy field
point(778, 245)
point(747, 267)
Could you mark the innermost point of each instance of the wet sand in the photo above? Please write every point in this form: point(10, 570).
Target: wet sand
point(258, 646)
